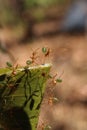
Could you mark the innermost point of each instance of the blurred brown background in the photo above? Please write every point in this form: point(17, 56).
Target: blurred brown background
point(29, 24)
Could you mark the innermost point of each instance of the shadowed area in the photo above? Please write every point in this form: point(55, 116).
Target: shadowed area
point(14, 118)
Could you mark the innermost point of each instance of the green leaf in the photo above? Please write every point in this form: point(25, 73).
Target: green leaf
point(24, 89)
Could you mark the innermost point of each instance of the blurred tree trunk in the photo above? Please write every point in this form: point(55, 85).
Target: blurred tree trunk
point(19, 7)
point(29, 33)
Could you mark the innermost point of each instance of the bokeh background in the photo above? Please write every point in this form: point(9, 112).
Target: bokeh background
point(26, 25)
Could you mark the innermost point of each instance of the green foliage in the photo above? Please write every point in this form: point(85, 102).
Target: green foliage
point(42, 3)
point(11, 12)
point(24, 88)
